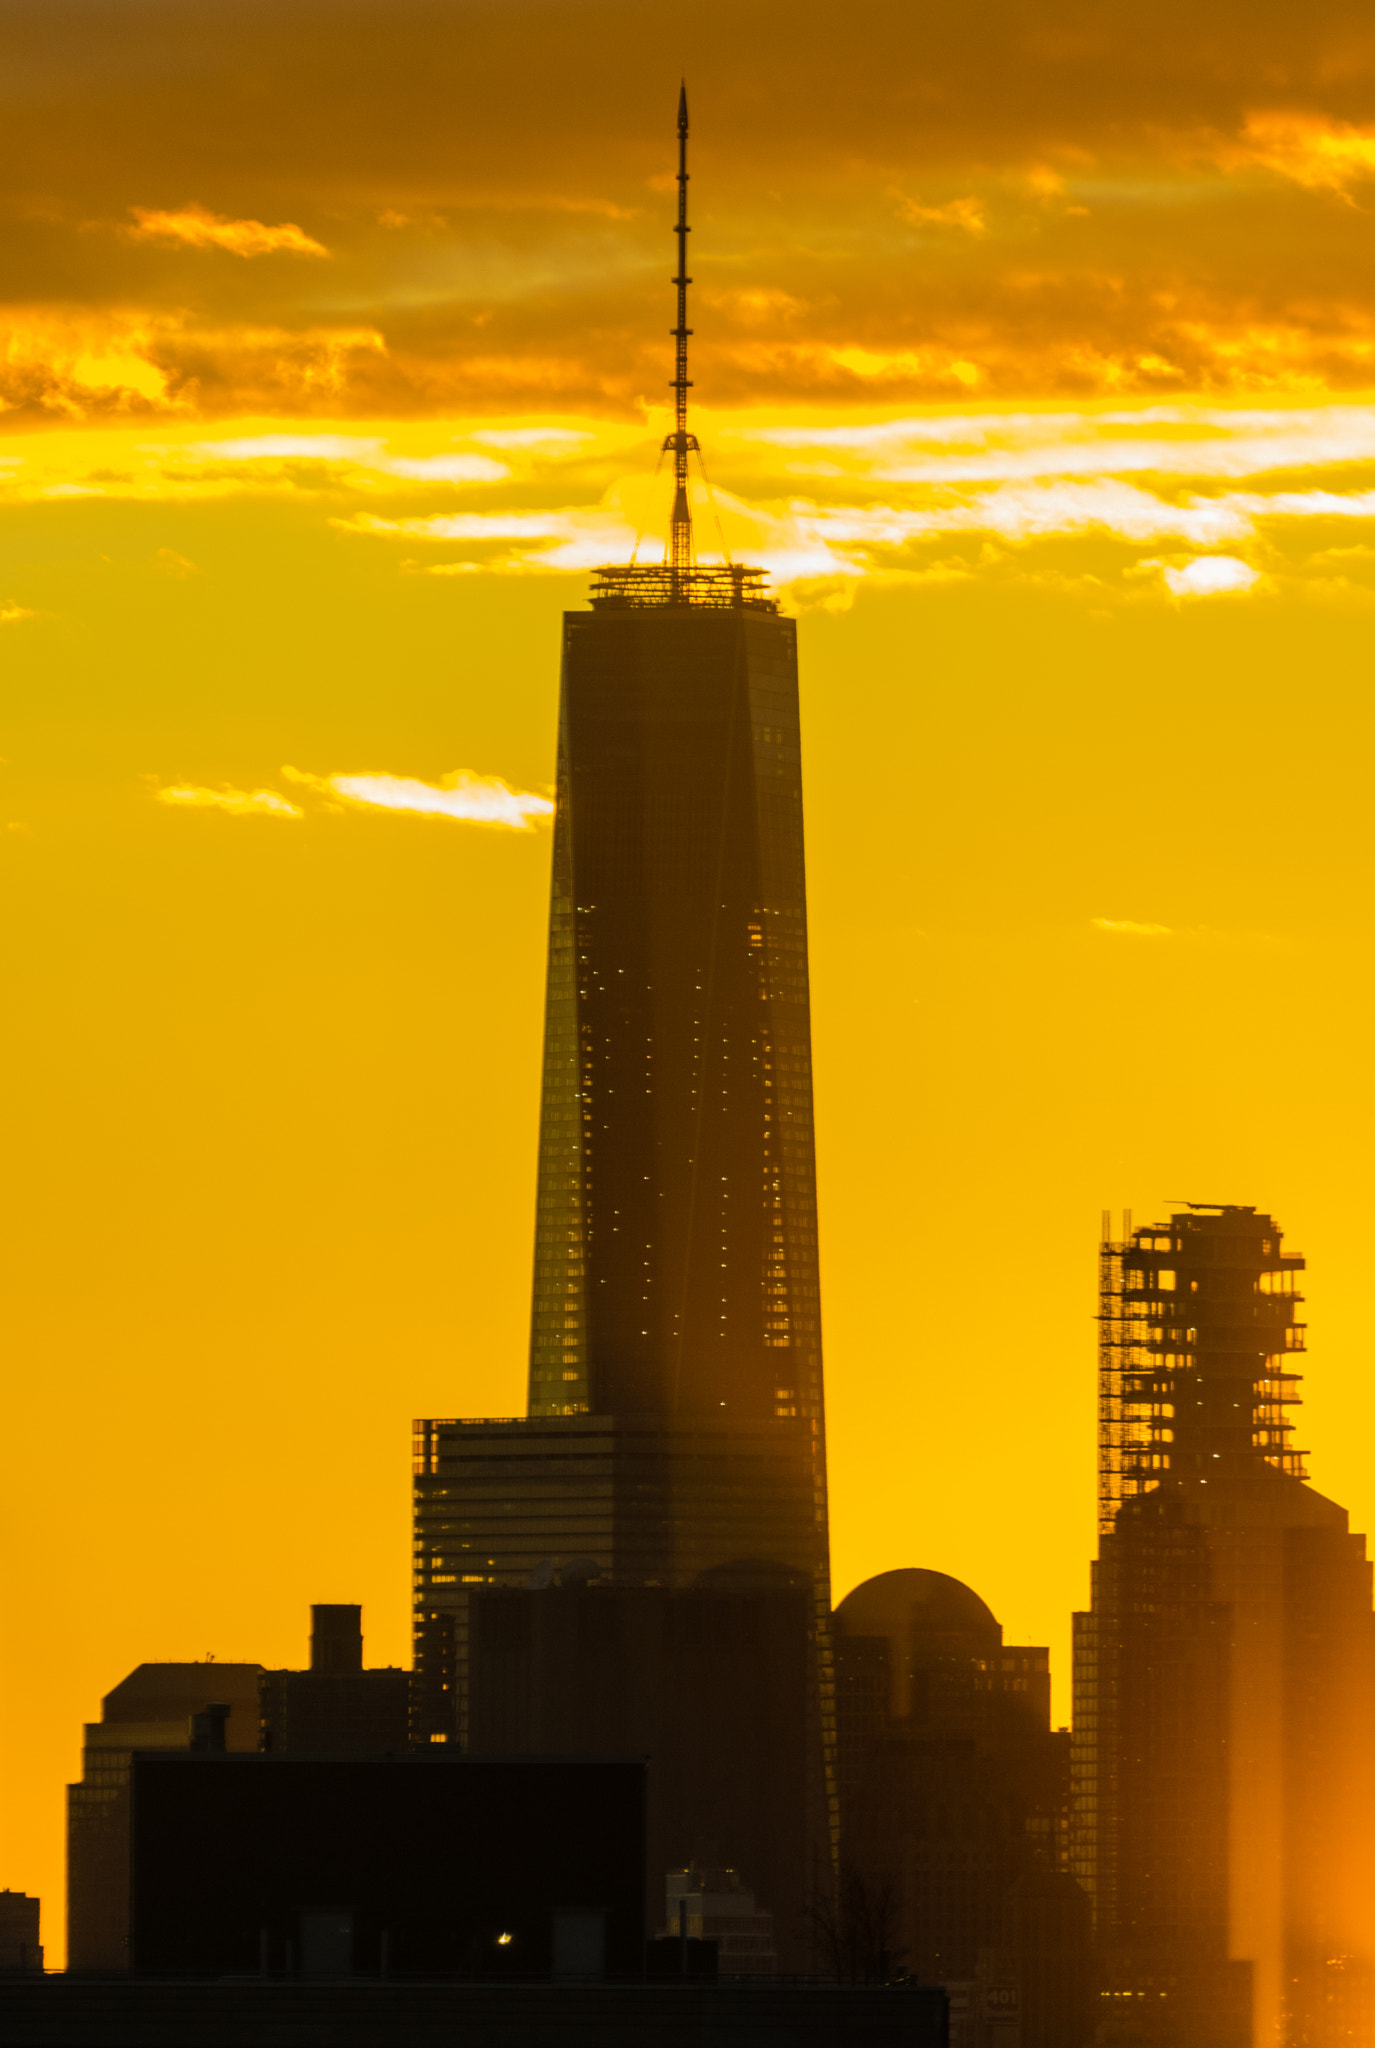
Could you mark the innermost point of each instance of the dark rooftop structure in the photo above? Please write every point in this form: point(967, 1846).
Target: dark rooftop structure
point(244, 2012)
point(336, 1708)
point(415, 1866)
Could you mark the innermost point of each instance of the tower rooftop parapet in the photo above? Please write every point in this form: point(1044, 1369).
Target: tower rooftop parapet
point(723, 587)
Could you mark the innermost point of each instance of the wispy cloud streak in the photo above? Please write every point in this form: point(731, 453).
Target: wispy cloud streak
point(472, 799)
point(238, 803)
point(1034, 511)
point(370, 454)
point(824, 500)
point(200, 229)
point(1211, 576)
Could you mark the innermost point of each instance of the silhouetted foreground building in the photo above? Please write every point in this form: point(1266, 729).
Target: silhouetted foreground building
point(426, 1865)
point(955, 1806)
point(241, 2012)
point(713, 1906)
point(676, 1420)
point(1225, 1675)
point(1048, 1929)
point(21, 1948)
point(1037, 1989)
point(153, 1708)
point(336, 1708)
point(709, 1682)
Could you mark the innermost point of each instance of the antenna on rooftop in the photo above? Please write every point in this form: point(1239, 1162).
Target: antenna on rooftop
point(680, 441)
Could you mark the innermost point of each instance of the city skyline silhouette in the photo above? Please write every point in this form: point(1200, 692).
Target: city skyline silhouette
point(1079, 645)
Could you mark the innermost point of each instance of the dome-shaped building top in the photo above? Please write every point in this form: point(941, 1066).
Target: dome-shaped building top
point(927, 1605)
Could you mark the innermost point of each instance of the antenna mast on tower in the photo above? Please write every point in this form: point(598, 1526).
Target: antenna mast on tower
point(680, 441)
point(677, 580)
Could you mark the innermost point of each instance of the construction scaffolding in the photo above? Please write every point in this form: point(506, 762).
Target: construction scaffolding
point(1196, 1328)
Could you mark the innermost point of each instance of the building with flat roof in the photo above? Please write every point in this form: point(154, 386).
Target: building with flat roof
point(423, 1866)
point(153, 1708)
point(21, 1949)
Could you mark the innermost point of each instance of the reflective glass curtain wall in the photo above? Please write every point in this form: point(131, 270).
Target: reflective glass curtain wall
point(676, 1246)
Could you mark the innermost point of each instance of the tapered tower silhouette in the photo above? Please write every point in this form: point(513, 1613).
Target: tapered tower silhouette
point(675, 1440)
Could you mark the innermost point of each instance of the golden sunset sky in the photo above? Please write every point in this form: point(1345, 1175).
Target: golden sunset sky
point(1035, 355)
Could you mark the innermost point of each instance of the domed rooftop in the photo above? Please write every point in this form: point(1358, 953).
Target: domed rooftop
point(895, 1603)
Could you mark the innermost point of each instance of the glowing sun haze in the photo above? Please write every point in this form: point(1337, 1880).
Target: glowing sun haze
point(1034, 356)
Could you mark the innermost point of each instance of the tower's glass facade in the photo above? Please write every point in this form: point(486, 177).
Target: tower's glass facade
point(676, 1244)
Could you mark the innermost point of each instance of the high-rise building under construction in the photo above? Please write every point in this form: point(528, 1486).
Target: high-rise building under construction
point(1224, 1679)
point(674, 1440)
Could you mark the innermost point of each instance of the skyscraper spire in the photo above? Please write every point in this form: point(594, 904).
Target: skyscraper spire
point(678, 579)
point(680, 441)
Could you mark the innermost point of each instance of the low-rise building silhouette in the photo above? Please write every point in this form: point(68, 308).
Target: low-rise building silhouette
point(715, 1906)
point(153, 1708)
point(432, 1865)
point(21, 1948)
point(334, 1708)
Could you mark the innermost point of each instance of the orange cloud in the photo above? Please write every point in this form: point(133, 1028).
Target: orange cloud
point(68, 363)
point(956, 213)
point(85, 364)
point(1310, 148)
point(1047, 187)
point(204, 230)
point(1195, 247)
